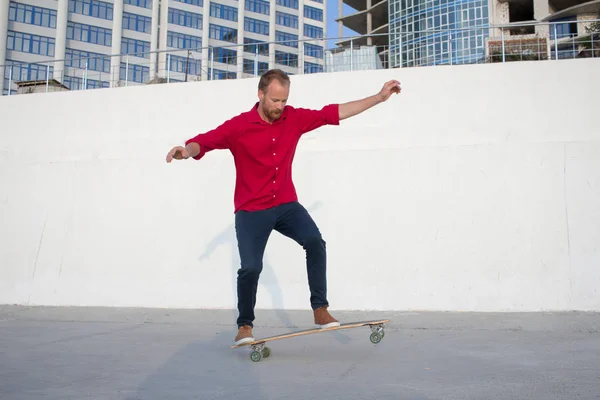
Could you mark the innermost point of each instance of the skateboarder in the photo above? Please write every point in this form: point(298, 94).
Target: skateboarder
point(263, 141)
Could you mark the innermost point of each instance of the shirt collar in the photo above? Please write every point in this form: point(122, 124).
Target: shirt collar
point(255, 116)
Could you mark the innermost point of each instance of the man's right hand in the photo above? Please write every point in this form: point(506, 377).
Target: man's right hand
point(178, 153)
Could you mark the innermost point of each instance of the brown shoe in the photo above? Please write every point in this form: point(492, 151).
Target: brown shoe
point(323, 319)
point(244, 335)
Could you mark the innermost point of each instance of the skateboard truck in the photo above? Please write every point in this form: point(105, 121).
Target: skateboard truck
point(377, 334)
point(259, 351)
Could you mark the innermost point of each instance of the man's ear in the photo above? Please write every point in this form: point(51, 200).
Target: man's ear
point(261, 95)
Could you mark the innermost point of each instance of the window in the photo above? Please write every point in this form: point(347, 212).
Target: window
point(140, 3)
point(93, 8)
point(138, 48)
point(223, 12)
point(185, 18)
point(313, 13)
point(32, 15)
point(289, 59)
point(567, 28)
point(313, 31)
point(89, 34)
point(288, 3)
point(285, 19)
point(223, 33)
point(257, 6)
point(253, 45)
point(256, 26)
point(312, 50)
point(286, 39)
point(77, 83)
point(28, 43)
point(180, 64)
point(199, 3)
point(135, 73)
point(25, 72)
point(183, 41)
point(137, 22)
point(79, 59)
point(225, 56)
point(311, 68)
point(220, 74)
point(250, 66)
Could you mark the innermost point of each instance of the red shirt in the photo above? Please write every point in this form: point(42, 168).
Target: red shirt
point(263, 152)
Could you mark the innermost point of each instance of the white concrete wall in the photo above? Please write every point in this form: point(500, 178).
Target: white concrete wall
point(478, 188)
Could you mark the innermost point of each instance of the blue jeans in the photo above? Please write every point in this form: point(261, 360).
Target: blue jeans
point(253, 230)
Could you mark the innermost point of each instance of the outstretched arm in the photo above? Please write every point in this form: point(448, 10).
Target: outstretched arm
point(197, 146)
point(183, 153)
point(352, 108)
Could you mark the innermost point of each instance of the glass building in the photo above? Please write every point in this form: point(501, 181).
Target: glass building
point(432, 32)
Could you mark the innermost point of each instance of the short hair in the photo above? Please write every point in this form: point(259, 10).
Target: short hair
point(269, 76)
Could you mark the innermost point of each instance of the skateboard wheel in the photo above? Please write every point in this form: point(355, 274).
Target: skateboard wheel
point(376, 337)
point(266, 352)
point(255, 356)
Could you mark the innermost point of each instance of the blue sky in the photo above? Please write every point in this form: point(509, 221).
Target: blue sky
point(332, 26)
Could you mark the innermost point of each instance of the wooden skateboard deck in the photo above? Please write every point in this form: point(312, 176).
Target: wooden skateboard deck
point(259, 350)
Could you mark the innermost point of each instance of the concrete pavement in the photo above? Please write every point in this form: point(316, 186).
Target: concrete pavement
point(130, 354)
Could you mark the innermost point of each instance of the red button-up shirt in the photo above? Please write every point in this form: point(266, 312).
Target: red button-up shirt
point(263, 152)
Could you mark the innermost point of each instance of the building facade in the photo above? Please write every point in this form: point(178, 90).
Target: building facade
point(432, 32)
point(408, 33)
point(371, 21)
point(105, 43)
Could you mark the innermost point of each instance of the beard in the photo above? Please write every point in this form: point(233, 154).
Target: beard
point(273, 113)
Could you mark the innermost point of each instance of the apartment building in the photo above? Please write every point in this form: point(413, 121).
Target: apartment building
point(105, 43)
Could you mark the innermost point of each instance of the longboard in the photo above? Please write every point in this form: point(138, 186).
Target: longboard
point(260, 351)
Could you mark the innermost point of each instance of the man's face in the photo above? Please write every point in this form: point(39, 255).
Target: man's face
point(273, 100)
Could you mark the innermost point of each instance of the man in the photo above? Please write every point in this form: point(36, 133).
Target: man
point(263, 143)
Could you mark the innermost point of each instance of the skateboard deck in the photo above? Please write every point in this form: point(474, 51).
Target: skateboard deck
point(260, 351)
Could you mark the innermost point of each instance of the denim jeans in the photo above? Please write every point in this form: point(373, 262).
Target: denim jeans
point(253, 230)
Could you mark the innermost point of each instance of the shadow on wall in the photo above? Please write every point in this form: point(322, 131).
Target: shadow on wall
point(228, 238)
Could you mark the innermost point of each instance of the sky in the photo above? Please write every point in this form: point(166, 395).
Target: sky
point(332, 25)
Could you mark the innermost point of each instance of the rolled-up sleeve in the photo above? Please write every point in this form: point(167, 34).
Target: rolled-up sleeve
point(218, 138)
point(312, 119)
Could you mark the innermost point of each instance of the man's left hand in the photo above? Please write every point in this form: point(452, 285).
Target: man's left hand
point(388, 89)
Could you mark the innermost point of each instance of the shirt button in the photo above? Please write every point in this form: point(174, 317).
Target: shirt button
point(276, 168)
point(273, 153)
point(273, 181)
point(273, 139)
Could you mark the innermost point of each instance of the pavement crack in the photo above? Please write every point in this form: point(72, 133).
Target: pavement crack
point(87, 336)
point(346, 373)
